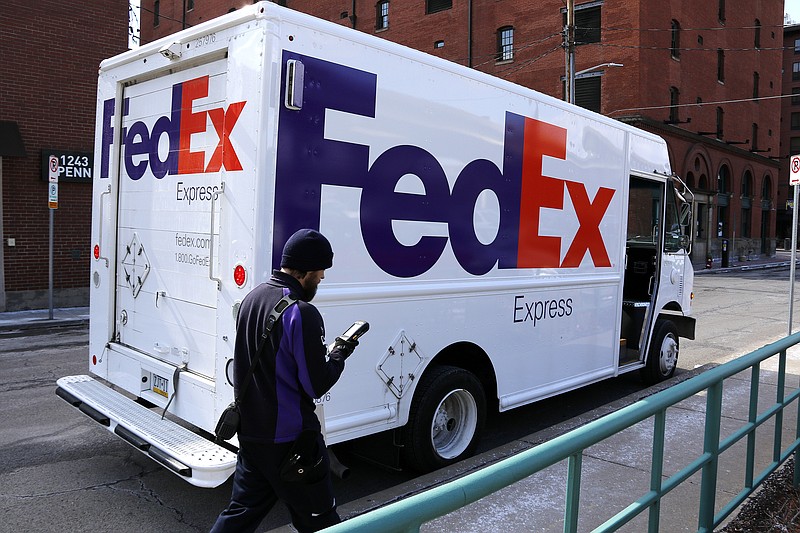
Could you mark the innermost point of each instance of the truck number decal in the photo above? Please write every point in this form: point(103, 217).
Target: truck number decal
point(306, 161)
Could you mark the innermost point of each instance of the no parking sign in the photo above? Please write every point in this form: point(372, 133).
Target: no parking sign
point(794, 170)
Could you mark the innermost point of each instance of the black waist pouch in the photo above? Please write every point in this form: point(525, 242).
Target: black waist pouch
point(228, 424)
point(305, 463)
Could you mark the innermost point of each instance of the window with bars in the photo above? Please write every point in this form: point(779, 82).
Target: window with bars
point(433, 6)
point(587, 93)
point(505, 43)
point(587, 23)
point(382, 15)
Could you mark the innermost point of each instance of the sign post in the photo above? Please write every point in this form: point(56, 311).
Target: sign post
point(794, 181)
point(52, 203)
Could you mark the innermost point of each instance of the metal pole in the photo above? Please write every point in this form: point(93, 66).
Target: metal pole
point(794, 258)
point(50, 273)
point(569, 51)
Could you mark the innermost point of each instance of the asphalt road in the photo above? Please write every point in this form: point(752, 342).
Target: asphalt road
point(60, 471)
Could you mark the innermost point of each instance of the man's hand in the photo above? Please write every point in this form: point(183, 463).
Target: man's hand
point(344, 347)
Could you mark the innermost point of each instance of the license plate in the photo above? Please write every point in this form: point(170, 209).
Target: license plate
point(160, 386)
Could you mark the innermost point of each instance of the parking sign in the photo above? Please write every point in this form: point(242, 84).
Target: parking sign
point(794, 170)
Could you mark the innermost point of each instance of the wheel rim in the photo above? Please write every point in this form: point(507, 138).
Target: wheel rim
point(668, 357)
point(454, 423)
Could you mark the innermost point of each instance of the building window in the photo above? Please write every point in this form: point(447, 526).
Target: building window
point(189, 5)
point(796, 121)
point(156, 12)
point(433, 6)
point(797, 46)
point(721, 11)
point(794, 146)
point(795, 95)
point(587, 25)
point(754, 140)
point(721, 65)
point(747, 185)
point(755, 84)
point(766, 188)
point(746, 216)
point(382, 15)
point(674, 96)
point(795, 71)
point(720, 122)
point(505, 43)
point(438, 44)
point(757, 34)
point(675, 44)
point(587, 92)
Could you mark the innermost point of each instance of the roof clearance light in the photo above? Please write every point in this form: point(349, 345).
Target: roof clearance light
point(239, 275)
point(97, 251)
point(94, 359)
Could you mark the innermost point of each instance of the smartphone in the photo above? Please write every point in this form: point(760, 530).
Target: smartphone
point(355, 331)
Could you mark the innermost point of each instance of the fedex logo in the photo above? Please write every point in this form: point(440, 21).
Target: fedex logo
point(141, 141)
point(306, 161)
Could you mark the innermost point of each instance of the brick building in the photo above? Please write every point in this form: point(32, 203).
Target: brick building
point(48, 78)
point(704, 76)
point(790, 126)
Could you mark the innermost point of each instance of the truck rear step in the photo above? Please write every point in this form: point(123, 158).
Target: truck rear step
point(198, 460)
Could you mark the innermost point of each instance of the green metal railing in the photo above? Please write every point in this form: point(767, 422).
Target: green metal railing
point(409, 514)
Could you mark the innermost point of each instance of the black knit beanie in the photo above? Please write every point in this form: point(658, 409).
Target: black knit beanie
point(307, 250)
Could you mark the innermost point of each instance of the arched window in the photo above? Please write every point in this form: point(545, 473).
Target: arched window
point(766, 188)
point(702, 184)
point(690, 180)
point(747, 184)
point(724, 180)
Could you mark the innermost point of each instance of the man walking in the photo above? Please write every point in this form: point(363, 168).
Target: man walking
point(278, 404)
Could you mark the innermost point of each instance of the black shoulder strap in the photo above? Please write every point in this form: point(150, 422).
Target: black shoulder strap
point(274, 315)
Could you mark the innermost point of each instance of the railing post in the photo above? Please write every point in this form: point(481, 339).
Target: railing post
point(573, 492)
point(780, 396)
point(752, 416)
point(657, 469)
point(708, 484)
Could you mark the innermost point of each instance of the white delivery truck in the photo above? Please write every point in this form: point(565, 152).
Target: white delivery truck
point(505, 246)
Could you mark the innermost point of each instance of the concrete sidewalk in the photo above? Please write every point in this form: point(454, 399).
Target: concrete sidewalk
point(40, 318)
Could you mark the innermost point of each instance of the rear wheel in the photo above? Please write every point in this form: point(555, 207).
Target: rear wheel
point(446, 418)
point(662, 358)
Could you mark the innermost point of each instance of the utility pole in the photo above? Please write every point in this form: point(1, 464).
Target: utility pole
point(569, 52)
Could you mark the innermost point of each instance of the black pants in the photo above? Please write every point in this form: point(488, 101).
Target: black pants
point(257, 486)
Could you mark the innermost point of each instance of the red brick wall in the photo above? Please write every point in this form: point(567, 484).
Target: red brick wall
point(51, 51)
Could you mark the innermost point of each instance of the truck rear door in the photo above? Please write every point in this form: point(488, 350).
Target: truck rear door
point(173, 135)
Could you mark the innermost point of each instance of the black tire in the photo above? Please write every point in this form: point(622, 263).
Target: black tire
point(446, 419)
point(662, 357)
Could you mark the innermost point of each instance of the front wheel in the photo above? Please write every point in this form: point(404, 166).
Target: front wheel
point(446, 419)
point(662, 357)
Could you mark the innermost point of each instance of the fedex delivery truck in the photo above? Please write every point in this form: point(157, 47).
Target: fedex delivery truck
point(504, 246)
